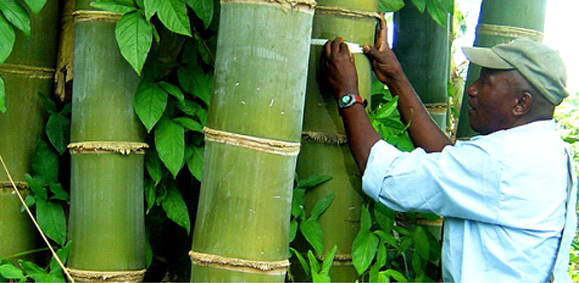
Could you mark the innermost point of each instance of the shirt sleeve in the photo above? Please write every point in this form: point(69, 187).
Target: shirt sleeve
point(461, 181)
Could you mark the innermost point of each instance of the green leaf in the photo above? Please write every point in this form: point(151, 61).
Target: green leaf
point(150, 193)
point(314, 265)
point(7, 38)
point(113, 6)
point(151, 7)
point(9, 271)
point(33, 271)
point(387, 238)
point(176, 209)
point(298, 202)
point(189, 107)
point(45, 163)
point(30, 202)
point(420, 5)
point(172, 90)
point(365, 219)
point(16, 15)
point(58, 131)
point(35, 5)
point(312, 231)
point(170, 143)
point(154, 165)
point(203, 9)
point(48, 103)
point(381, 256)
point(395, 274)
point(194, 80)
point(363, 250)
point(135, 38)
point(293, 229)
point(448, 6)
point(37, 188)
point(51, 219)
point(321, 206)
point(437, 12)
point(195, 163)
point(384, 216)
point(150, 102)
point(312, 181)
point(62, 253)
point(302, 261)
point(59, 193)
point(328, 260)
point(189, 124)
point(2, 96)
point(421, 244)
point(390, 5)
point(173, 14)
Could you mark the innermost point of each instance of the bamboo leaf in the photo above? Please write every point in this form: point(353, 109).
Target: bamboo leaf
point(59, 193)
point(35, 5)
point(437, 12)
point(421, 244)
point(189, 107)
point(321, 206)
point(420, 5)
point(58, 131)
point(312, 181)
point(203, 9)
point(189, 124)
point(151, 7)
point(381, 256)
point(48, 103)
point(113, 6)
point(2, 96)
point(302, 261)
point(314, 265)
point(7, 38)
point(51, 219)
point(38, 190)
point(387, 238)
point(448, 5)
point(194, 80)
point(195, 163)
point(363, 250)
point(154, 165)
point(135, 38)
point(45, 163)
point(365, 219)
point(312, 231)
point(293, 229)
point(17, 15)
point(173, 14)
point(33, 271)
point(150, 193)
point(176, 209)
point(298, 202)
point(384, 216)
point(150, 102)
point(390, 5)
point(170, 143)
point(328, 260)
point(9, 271)
point(172, 90)
point(399, 277)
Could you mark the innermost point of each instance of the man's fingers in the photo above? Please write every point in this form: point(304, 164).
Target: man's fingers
point(382, 35)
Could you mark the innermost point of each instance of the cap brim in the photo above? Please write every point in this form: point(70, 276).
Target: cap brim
point(485, 57)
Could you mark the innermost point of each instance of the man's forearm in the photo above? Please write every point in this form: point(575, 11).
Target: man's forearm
point(361, 134)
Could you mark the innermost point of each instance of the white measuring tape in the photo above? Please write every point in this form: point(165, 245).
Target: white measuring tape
point(353, 47)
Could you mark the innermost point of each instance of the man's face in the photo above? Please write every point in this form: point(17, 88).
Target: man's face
point(492, 98)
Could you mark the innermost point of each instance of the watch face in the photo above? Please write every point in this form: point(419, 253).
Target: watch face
point(346, 99)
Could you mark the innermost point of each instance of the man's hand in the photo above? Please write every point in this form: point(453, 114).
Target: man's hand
point(384, 61)
point(339, 68)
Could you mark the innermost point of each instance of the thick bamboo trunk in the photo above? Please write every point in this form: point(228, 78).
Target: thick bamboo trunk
point(324, 148)
point(423, 49)
point(251, 142)
point(28, 70)
point(500, 22)
point(106, 224)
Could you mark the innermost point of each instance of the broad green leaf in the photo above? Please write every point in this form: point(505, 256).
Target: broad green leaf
point(321, 206)
point(30, 202)
point(390, 5)
point(420, 4)
point(302, 261)
point(170, 143)
point(404, 244)
point(384, 216)
point(16, 15)
point(7, 38)
point(320, 277)
point(298, 202)
point(386, 237)
point(2, 96)
point(154, 165)
point(48, 103)
point(203, 9)
point(172, 90)
point(313, 180)
point(58, 131)
point(437, 12)
point(56, 276)
point(161, 193)
point(150, 193)
point(150, 102)
point(421, 244)
point(148, 254)
point(293, 229)
point(176, 209)
point(9, 271)
point(395, 274)
point(35, 5)
point(51, 219)
point(381, 256)
point(113, 6)
point(194, 80)
point(312, 231)
point(314, 265)
point(206, 50)
point(189, 124)
point(59, 193)
point(448, 6)
point(189, 107)
point(173, 14)
point(62, 254)
point(195, 163)
point(387, 109)
point(365, 219)
point(135, 38)
point(328, 260)
point(34, 271)
point(45, 163)
point(151, 7)
point(363, 250)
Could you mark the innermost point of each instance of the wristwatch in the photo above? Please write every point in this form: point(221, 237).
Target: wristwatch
point(349, 100)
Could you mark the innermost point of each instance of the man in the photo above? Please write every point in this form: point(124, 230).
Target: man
point(504, 194)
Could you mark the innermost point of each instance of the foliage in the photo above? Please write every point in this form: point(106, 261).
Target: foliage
point(27, 271)
point(13, 16)
point(437, 9)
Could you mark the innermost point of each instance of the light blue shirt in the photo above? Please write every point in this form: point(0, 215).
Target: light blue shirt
point(503, 197)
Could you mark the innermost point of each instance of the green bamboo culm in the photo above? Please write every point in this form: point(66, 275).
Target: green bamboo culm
point(324, 146)
point(423, 49)
point(106, 224)
point(500, 22)
point(252, 140)
point(28, 70)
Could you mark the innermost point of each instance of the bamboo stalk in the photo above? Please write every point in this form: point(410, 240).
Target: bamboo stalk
point(106, 224)
point(500, 22)
point(322, 152)
point(251, 142)
point(28, 70)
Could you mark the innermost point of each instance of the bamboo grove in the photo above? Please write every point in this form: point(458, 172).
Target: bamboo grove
point(191, 140)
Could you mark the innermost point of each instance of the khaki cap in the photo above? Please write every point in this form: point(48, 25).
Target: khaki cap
point(539, 64)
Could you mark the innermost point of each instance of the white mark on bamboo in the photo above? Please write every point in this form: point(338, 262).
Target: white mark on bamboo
point(271, 103)
point(243, 102)
point(282, 112)
point(276, 196)
point(237, 83)
point(351, 208)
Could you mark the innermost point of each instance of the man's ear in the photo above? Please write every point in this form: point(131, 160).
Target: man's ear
point(523, 104)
